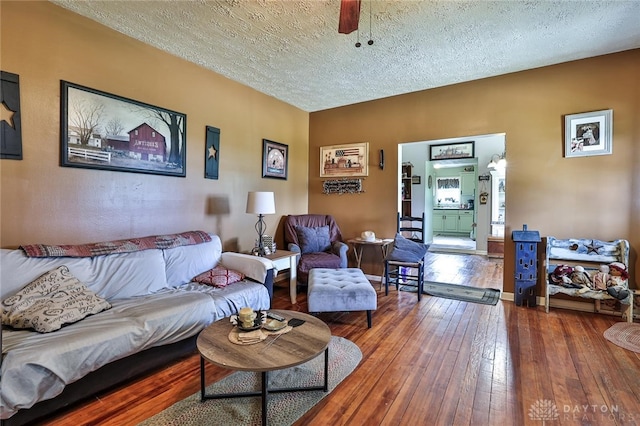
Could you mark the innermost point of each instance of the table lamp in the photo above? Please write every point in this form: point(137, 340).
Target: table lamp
point(261, 203)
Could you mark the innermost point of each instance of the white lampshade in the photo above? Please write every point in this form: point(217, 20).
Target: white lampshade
point(498, 161)
point(261, 203)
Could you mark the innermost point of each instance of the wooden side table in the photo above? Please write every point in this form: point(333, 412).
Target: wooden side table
point(283, 260)
point(359, 244)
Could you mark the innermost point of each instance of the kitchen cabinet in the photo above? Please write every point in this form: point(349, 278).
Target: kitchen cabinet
point(445, 221)
point(467, 184)
point(438, 222)
point(465, 221)
point(452, 221)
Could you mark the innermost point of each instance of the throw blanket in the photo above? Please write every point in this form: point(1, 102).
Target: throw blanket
point(118, 246)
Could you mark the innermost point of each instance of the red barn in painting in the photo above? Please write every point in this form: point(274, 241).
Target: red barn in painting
point(145, 143)
point(142, 143)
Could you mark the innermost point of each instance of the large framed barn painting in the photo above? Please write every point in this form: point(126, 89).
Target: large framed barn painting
point(99, 130)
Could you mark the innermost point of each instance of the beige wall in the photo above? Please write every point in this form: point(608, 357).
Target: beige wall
point(590, 197)
point(45, 203)
point(593, 197)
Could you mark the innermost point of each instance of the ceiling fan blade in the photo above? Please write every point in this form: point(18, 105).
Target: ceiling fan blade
point(349, 16)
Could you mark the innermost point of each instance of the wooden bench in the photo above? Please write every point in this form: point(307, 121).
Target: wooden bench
point(590, 254)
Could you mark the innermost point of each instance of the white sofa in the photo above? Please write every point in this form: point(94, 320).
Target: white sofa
point(155, 316)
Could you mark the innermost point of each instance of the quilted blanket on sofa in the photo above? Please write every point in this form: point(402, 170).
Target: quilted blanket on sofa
point(118, 246)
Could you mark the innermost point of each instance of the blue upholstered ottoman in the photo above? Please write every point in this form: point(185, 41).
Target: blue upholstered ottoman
point(338, 290)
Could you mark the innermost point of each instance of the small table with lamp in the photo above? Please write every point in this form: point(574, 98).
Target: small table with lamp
point(261, 203)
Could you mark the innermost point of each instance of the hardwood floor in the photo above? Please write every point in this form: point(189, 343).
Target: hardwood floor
point(438, 362)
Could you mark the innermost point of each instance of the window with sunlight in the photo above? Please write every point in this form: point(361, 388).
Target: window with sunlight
point(448, 191)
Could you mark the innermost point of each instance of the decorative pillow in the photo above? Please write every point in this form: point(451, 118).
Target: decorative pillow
point(405, 250)
point(219, 277)
point(51, 301)
point(313, 240)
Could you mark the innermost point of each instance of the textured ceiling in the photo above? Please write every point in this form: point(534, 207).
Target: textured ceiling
point(292, 51)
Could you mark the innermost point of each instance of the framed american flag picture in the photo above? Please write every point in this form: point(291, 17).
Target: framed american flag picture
point(344, 160)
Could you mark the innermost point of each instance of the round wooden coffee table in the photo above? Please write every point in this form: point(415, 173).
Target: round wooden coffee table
point(277, 352)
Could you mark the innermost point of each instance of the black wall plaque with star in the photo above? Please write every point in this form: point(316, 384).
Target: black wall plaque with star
point(10, 127)
point(212, 153)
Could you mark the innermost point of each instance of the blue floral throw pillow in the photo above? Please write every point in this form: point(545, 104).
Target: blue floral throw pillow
point(405, 250)
point(313, 240)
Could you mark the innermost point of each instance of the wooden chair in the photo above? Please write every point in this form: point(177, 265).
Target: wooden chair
point(408, 272)
point(411, 227)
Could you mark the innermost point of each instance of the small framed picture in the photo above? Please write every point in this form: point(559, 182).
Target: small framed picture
point(589, 133)
point(275, 159)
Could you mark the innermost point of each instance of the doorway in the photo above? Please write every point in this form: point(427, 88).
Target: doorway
point(453, 192)
point(458, 223)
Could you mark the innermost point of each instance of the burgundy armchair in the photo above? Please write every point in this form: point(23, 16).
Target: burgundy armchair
point(318, 240)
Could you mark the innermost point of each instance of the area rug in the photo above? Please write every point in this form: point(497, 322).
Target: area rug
point(624, 334)
point(485, 296)
point(282, 408)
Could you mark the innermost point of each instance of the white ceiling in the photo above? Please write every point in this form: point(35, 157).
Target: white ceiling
point(292, 50)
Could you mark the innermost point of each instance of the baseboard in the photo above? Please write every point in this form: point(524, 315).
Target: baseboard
point(511, 297)
point(507, 296)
